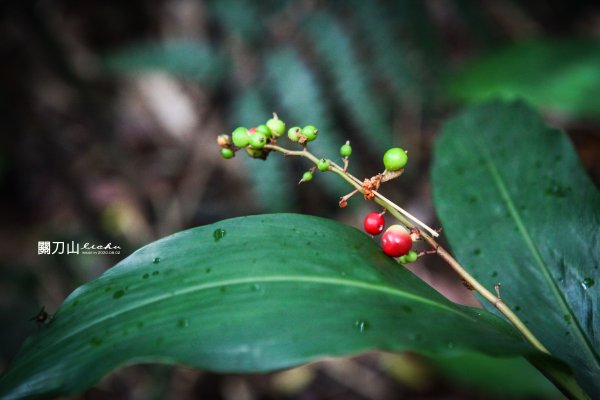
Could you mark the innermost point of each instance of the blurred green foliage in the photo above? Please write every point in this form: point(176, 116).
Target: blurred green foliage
point(561, 76)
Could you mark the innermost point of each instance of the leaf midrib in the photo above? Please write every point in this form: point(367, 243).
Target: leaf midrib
point(502, 188)
point(262, 279)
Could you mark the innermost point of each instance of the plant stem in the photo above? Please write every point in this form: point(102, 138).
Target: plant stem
point(398, 212)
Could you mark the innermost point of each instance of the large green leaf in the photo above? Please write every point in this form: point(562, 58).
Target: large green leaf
point(248, 294)
point(562, 76)
point(518, 208)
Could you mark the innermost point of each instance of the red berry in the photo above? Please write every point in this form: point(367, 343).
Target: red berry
point(396, 241)
point(374, 223)
point(252, 130)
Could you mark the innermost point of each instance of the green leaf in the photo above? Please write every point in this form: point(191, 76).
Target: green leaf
point(247, 295)
point(561, 76)
point(493, 373)
point(518, 208)
point(183, 58)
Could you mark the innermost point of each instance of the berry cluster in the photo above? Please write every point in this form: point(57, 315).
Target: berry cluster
point(396, 240)
point(260, 140)
point(253, 139)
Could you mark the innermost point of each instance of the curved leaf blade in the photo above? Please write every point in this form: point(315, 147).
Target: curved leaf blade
point(518, 208)
point(248, 294)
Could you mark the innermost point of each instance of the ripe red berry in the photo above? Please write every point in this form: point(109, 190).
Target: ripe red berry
point(396, 241)
point(374, 223)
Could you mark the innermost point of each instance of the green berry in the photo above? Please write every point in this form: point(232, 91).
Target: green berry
point(310, 132)
point(240, 137)
point(395, 159)
point(294, 133)
point(276, 126)
point(227, 153)
point(258, 140)
point(323, 164)
point(411, 256)
point(264, 130)
point(307, 176)
point(346, 150)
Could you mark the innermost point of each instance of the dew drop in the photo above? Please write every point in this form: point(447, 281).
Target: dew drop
point(558, 191)
point(219, 234)
point(155, 273)
point(587, 283)
point(494, 274)
point(207, 270)
point(145, 276)
point(223, 289)
point(417, 337)
point(476, 252)
point(183, 323)
point(155, 260)
point(118, 294)
point(517, 308)
point(361, 325)
point(255, 287)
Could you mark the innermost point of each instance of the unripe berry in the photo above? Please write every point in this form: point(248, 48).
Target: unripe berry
point(224, 140)
point(310, 132)
point(411, 256)
point(346, 150)
point(276, 126)
point(307, 176)
point(374, 223)
point(227, 153)
point(240, 137)
point(395, 159)
point(258, 140)
point(294, 133)
point(264, 130)
point(323, 164)
point(396, 241)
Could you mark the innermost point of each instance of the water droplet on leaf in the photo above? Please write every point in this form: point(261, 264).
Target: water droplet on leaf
point(361, 325)
point(118, 294)
point(183, 323)
point(219, 234)
point(155, 260)
point(587, 283)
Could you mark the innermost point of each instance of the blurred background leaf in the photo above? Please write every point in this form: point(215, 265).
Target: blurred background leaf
point(560, 76)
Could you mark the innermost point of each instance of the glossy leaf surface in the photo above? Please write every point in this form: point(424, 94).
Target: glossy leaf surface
point(248, 294)
point(518, 208)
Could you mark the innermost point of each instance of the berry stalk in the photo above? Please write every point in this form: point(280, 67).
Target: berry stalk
point(401, 215)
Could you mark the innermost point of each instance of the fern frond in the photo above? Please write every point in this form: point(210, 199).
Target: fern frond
point(335, 50)
point(272, 181)
point(299, 95)
point(189, 59)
